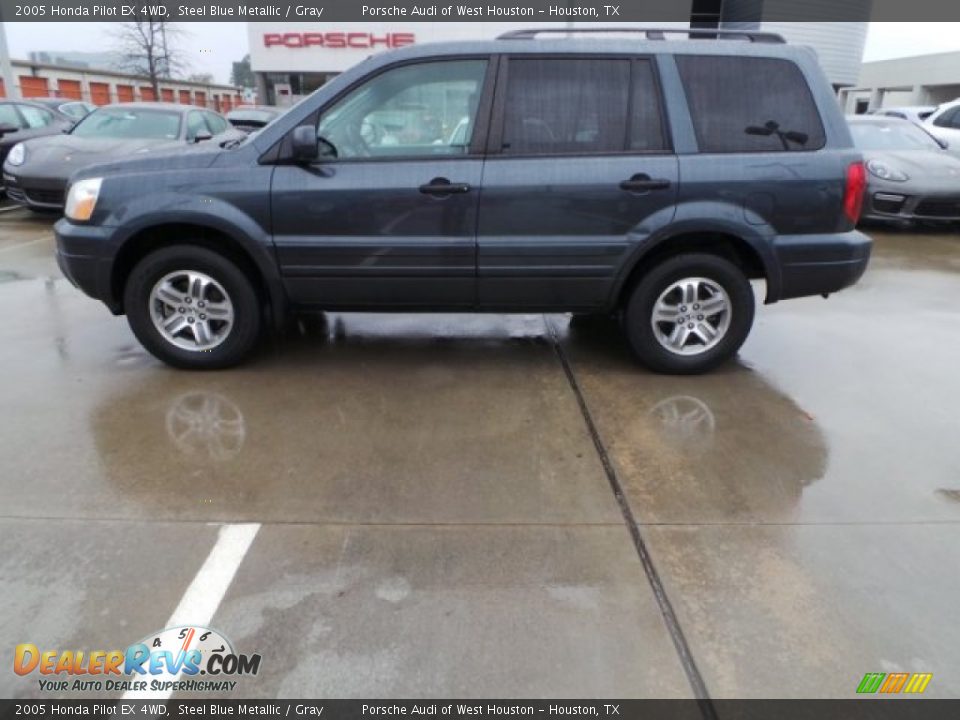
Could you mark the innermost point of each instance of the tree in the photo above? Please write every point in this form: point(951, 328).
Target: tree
point(241, 75)
point(149, 48)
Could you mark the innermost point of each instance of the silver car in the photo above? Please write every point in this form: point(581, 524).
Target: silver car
point(910, 174)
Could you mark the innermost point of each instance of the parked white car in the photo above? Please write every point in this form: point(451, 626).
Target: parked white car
point(944, 124)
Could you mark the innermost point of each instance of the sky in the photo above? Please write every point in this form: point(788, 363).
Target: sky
point(212, 47)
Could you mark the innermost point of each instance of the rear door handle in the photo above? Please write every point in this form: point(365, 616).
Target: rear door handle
point(442, 186)
point(641, 182)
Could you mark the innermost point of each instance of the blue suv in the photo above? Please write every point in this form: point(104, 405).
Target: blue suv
point(600, 173)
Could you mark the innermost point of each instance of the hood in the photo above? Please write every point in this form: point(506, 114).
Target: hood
point(60, 156)
point(922, 165)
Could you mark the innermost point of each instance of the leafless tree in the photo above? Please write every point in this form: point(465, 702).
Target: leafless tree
point(149, 48)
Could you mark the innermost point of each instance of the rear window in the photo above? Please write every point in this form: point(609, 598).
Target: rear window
point(745, 105)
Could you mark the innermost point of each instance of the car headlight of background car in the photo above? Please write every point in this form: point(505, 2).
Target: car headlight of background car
point(82, 199)
point(17, 154)
point(883, 171)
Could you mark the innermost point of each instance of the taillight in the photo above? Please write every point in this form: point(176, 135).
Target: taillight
point(853, 191)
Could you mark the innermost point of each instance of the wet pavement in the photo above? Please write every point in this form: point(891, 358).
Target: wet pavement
point(470, 505)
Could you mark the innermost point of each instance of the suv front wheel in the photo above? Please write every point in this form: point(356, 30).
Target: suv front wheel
point(192, 308)
point(689, 314)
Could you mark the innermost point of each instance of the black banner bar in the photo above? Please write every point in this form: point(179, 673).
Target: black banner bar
point(608, 11)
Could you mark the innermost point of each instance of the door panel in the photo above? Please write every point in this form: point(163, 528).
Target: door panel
point(579, 160)
point(554, 231)
point(363, 235)
point(391, 221)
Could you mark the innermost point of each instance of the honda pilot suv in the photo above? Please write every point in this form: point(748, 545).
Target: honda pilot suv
point(600, 173)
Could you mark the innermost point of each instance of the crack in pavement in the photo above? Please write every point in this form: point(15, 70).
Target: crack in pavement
point(670, 619)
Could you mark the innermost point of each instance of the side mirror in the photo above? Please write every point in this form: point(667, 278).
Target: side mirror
point(6, 128)
point(202, 135)
point(326, 148)
point(304, 144)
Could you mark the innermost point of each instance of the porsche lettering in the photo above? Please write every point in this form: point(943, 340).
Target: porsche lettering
point(339, 40)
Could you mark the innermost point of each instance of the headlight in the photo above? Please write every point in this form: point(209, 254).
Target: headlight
point(82, 199)
point(885, 172)
point(17, 154)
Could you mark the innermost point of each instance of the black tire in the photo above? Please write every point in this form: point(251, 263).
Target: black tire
point(640, 306)
point(247, 313)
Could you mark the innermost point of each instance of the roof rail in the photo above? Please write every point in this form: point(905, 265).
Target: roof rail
point(651, 33)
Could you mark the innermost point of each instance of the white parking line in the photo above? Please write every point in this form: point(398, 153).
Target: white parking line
point(203, 596)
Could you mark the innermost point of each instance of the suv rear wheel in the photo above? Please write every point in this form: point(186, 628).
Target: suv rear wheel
point(689, 314)
point(192, 308)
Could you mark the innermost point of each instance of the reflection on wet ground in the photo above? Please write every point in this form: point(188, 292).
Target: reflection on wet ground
point(437, 520)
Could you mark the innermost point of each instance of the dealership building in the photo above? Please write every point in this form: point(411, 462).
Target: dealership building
point(920, 80)
point(290, 60)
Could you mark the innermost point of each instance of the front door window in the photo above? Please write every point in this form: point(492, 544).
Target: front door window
point(409, 111)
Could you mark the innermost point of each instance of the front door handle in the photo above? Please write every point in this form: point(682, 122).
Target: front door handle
point(442, 186)
point(641, 182)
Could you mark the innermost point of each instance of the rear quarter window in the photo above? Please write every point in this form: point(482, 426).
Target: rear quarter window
point(746, 105)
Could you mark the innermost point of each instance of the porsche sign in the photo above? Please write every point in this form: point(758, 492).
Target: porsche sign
point(339, 40)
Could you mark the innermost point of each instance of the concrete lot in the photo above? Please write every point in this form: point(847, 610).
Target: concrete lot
point(442, 505)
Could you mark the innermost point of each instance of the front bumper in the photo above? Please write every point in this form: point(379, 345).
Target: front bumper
point(820, 264)
point(36, 193)
point(892, 204)
point(85, 259)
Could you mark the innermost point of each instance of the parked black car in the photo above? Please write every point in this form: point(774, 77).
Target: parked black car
point(594, 175)
point(253, 117)
point(26, 119)
point(37, 174)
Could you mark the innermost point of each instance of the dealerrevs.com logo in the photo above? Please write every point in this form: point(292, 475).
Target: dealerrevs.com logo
point(183, 658)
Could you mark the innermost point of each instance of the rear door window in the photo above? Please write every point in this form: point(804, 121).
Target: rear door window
point(566, 105)
point(35, 117)
point(9, 116)
point(744, 105)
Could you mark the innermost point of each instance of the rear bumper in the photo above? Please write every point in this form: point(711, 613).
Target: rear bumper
point(84, 256)
point(820, 264)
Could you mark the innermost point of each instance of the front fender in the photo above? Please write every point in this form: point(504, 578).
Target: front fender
point(247, 229)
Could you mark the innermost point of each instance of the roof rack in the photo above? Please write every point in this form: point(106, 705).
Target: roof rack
point(651, 33)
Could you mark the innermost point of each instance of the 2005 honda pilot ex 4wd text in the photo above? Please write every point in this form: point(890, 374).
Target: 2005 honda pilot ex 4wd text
point(594, 174)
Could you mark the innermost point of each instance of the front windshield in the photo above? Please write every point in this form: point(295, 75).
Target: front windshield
point(892, 136)
point(129, 124)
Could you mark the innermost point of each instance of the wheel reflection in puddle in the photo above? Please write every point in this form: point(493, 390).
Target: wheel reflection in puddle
point(685, 420)
point(206, 423)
